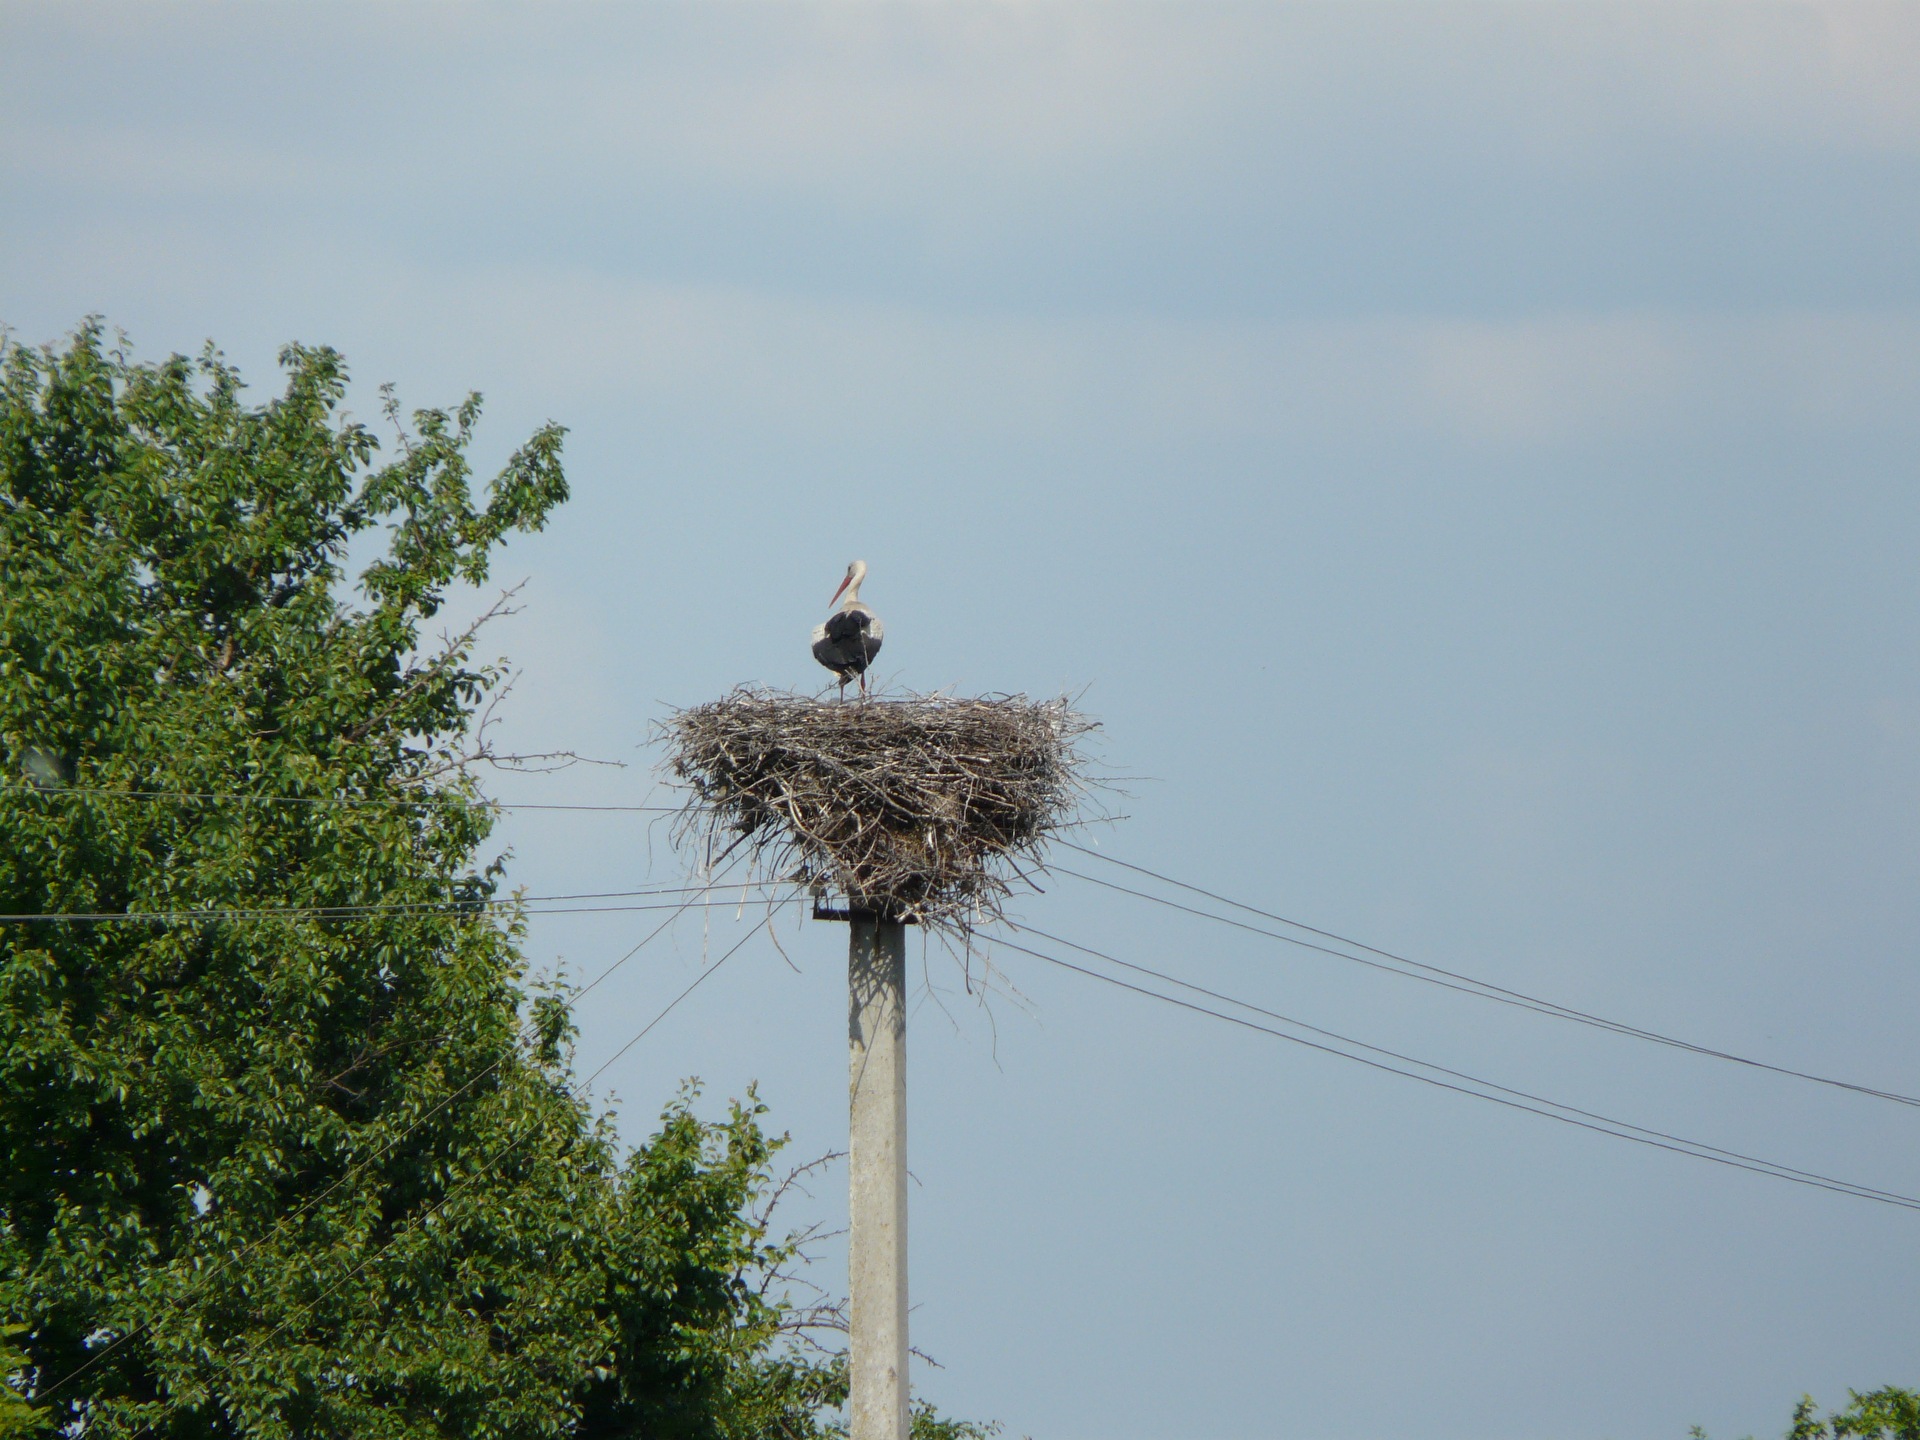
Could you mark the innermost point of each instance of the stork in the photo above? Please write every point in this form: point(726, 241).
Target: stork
point(850, 638)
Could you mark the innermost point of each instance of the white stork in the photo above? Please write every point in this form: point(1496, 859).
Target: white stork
point(850, 638)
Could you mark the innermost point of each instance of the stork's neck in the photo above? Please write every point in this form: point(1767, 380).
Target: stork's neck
point(852, 596)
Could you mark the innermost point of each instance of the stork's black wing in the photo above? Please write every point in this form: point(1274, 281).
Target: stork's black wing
point(847, 628)
point(849, 643)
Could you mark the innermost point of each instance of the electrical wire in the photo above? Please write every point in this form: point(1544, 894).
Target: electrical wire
point(346, 912)
point(443, 802)
point(1447, 979)
point(575, 1092)
point(355, 1171)
point(1459, 1074)
point(1600, 1124)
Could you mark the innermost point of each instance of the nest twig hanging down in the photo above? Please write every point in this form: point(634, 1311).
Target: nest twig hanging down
point(924, 809)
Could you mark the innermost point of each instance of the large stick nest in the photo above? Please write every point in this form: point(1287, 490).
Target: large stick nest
point(926, 808)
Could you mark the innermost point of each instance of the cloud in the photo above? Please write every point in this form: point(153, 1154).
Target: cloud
point(1563, 378)
point(838, 97)
point(845, 371)
point(572, 340)
point(1550, 378)
point(447, 182)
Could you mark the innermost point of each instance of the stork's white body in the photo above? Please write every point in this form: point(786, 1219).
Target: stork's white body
point(848, 639)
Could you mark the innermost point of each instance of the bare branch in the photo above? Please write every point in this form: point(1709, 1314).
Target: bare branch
point(452, 648)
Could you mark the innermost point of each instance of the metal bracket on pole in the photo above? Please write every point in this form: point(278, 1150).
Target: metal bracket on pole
point(823, 910)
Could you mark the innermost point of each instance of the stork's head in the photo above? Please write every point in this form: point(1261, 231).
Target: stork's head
point(850, 586)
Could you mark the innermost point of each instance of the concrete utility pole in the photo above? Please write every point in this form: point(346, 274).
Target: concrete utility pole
point(921, 809)
point(877, 1176)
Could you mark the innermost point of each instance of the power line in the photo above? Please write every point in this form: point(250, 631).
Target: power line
point(355, 1171)
point(347, 912)
point(1448, 979)
point(574, 1092)
point(1600, 1124)
point(1458, 1074)
point(441, 802)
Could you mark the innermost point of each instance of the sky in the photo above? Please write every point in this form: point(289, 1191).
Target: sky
point(1463, 454)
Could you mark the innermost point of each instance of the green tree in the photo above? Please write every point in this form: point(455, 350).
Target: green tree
point(17, 1416)
point(1889, 1413)
point(295, 1173)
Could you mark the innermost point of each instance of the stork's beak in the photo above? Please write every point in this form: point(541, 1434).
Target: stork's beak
point(843, 585)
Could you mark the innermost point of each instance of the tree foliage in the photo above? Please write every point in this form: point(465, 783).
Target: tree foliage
point(1888, 1413)
point(18, 1417)
point(287, 1171)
